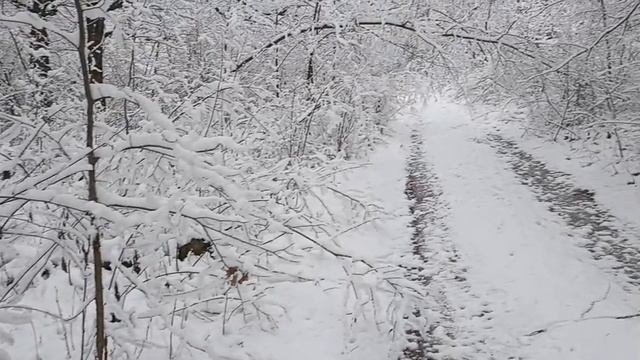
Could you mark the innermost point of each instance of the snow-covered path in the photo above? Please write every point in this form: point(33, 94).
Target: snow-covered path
point(548, 298)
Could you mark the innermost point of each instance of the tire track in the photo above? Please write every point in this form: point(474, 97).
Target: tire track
point(607, 239)
point(433, 331)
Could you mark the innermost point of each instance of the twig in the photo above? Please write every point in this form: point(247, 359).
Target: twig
point(594, 302)
point(566, 322)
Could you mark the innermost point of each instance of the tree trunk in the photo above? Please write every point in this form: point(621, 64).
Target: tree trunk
point(39, 58)
point(95, 41)
point(85, 45)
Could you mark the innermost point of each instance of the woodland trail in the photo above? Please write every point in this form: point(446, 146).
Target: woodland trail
point(519, 263)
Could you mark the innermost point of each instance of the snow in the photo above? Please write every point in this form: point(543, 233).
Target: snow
point(329, 307)
point(522, 261)
point(319, 322)
point(27, 18)
point(508, 277)
point(153, 110)
point(590, 168)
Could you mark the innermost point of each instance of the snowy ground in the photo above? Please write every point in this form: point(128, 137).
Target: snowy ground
point(520, 255)
point(324, 321)
point(340, 308)
point(547, 295)
point(592, 167)
point(509, 267)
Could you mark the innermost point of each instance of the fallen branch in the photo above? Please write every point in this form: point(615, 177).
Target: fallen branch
point(565, 322)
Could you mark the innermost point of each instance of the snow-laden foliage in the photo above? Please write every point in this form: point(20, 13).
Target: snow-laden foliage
point(179, 180)
point(569, 66)
point(174, 160)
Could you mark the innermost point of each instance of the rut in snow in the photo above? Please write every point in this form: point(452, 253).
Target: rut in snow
point(438, 268)
point(606, 237)
point(420, 191)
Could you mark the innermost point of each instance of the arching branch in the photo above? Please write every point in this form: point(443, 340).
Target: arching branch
point(316, 27)
point(404, 26)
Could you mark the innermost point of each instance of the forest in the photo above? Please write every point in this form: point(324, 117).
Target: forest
point(175, 174)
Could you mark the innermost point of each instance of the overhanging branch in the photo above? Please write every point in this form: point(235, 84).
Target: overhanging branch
point(403, 26)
